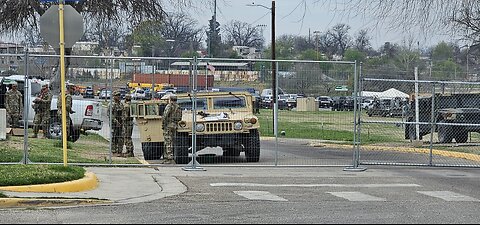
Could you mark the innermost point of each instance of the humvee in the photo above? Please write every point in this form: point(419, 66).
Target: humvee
point(224, 119)
point(456, 115)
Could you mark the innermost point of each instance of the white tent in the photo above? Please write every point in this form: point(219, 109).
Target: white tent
point(390, 93)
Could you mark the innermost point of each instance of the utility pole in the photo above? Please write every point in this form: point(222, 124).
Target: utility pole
point(212, 30)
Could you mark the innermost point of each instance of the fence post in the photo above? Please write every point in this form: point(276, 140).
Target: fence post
point(432, 122)
point(192, 165)
point(275, 114)
point(26, 100)
point(110, 115)
point(356, 121)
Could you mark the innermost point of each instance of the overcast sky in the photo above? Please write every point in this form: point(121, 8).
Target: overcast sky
point(300, 19)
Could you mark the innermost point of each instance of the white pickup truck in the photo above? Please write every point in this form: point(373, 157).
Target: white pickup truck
point(86, 117)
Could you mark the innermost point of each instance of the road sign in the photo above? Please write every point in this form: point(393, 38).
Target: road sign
point(341, 88)
point(50, 28)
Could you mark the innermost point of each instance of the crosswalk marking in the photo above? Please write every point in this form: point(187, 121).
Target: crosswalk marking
point(312, 185)
point(357, 197)
point(449, 196)
point(260, 195)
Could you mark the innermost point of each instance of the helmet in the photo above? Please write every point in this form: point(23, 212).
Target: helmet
point(116, 93)
point(128, 96)
point(173, 97)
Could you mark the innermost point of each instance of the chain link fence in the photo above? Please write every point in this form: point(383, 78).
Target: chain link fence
point(420, 120)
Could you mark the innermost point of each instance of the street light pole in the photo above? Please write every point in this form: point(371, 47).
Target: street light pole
point(274, 68)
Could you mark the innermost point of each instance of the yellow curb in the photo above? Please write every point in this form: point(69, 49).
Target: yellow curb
point(444, 153)
point(89, 182)
point(27, 202)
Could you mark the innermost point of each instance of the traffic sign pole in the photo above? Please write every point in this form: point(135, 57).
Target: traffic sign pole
point(62, 81)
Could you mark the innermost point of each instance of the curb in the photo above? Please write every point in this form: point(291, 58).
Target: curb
point(89, 182)
point(38, 202)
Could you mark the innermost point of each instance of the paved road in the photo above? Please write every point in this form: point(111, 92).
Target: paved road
point(292, 195)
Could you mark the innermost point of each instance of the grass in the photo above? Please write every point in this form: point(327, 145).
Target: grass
point(90, 148)
point(16, 175)
point(321, 125)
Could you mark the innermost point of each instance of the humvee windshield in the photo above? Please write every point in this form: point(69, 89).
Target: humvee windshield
point(186, 103)
point(229, 102)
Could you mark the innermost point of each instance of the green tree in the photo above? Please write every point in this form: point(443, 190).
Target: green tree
point(353, 54)
point(442, 52)
point(214, 40)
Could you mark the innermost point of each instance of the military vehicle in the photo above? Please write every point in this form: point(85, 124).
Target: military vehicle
point(455, 115)
point(224, 119)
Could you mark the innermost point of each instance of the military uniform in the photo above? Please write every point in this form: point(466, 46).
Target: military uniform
point(68, 108)
point(14, 107)
point(170, 128)
point(117, 124)
point(127, 127)
point(42, 111)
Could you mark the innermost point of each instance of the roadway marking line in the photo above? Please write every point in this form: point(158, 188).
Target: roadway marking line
point(357, 197)
point(449, 196)
point(260, 195)
point(312, 185)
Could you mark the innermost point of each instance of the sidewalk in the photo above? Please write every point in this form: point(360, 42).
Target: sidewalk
point(115, 186)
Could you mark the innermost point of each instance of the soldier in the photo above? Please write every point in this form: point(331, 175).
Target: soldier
point(68, 106)
point(41, 105)
point(117, 124)
point(13, 105)
point(127, 126)
point(171, 116)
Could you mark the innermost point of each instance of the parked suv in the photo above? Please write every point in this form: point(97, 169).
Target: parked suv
point(324, 101)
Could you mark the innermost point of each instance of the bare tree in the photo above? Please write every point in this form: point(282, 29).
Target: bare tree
point(243, 34)
point(184, 31)
point(362, 41)
point(340, 38)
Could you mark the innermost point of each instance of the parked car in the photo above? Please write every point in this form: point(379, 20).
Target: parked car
point(89, 93)
point(343, 103)
point(105, 94)
point(324, 101)
point(138, 94)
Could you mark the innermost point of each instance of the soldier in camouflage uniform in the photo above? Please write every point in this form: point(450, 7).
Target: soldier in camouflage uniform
point(127, 126)
point(117, 124)
point(41, 105)
point(13, 105)
point(170, 121)
point(68, 106)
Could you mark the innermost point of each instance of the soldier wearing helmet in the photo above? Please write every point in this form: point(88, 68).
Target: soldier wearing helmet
point(68, 106)
point(127, 126)
point(41, 105)
point(13, 105)
point(171, 116)
point(116, 117)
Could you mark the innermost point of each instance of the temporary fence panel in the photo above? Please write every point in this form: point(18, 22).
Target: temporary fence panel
point(413, 119)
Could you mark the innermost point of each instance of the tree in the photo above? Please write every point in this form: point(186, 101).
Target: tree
point(442, 51)
point(243, 34)
point(340, 38)
point(183, 32)
point(16, 16)
point(429, 16)
point(214, 40)
point(362, 41)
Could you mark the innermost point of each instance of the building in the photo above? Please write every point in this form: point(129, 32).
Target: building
point(248, 52)
point(10, 62)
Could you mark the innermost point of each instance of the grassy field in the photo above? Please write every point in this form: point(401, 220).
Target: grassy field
point(90, 148)
point(338, 126)
point(15, 175)
point(322, 125)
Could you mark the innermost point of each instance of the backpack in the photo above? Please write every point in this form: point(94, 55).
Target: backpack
point(177, 113)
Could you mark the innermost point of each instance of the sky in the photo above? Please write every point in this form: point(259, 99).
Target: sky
point(302, 19)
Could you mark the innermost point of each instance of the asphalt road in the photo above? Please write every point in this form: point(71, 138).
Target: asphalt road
point(292, 195)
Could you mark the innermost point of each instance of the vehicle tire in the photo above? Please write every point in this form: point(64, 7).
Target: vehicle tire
point(461, 137)
point(180, 149)
point(445, 133)
point(231, 152)
point(74, 135)
point(55, 130)
point(152, 150)
point(252, 147)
